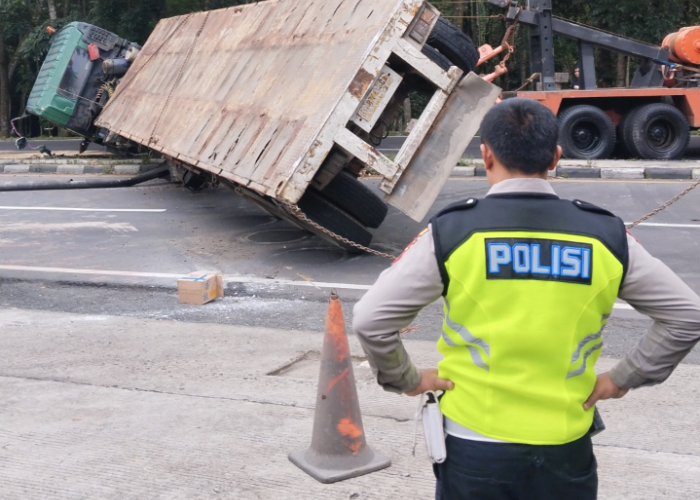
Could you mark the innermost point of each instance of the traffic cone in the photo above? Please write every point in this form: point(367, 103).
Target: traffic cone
point(338, 448)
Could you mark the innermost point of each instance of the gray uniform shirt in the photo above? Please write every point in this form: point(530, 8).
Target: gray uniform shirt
point(414, 281)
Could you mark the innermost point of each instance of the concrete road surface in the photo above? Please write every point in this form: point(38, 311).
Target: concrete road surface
point(120, 252)
point(96, 406)
point(111, 389)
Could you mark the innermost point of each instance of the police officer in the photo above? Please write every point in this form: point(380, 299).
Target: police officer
point(528, 282)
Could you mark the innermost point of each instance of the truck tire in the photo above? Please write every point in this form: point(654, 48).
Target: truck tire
point(355, 198)
point(586, 132)
point(657, 132)
point(437, 57)
point(622, 149)
point(325, 213)
point(454, 44)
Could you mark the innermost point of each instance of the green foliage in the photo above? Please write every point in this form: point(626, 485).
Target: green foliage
point(25, 42)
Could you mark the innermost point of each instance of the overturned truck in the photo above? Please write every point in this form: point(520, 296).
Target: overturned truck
point(285, 101)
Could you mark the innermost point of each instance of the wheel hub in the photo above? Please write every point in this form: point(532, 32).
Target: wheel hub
point(585, 136)
point(659, 134)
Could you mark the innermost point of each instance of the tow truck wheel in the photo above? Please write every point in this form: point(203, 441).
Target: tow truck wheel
point(454, 44)
point(354, 197)
point(586, 132)
point(657, 132)
point(622, 150)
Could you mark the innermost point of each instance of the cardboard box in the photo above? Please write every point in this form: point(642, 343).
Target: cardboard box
point(199, 288)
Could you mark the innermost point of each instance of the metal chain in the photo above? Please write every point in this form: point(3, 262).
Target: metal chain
point(298, 213)
point(509, 39)
point(664, 206)
point(532, 78)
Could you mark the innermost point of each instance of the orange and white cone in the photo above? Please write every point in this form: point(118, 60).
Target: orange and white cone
point(338, 448)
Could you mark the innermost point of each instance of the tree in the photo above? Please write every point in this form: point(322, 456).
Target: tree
point(52, 10)
point(15, 23)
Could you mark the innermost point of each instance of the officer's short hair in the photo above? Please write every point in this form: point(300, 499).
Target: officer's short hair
point(522, 133)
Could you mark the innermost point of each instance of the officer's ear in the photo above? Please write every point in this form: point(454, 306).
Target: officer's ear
point(557, 157)
point(487, 156)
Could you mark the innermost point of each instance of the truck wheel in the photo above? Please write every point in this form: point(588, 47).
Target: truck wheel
point(622, 150)
point(454, 44)
point(657, 132)
point(586, 132)
point(325, 213)
point(355, 198)
point(436, 57)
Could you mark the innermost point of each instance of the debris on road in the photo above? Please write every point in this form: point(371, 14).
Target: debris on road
point(199, 288)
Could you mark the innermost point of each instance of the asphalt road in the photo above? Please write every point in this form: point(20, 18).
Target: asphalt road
point(119, 252)
point(390, 145)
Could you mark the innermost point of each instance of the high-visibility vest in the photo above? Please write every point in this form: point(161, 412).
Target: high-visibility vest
point(530, 282)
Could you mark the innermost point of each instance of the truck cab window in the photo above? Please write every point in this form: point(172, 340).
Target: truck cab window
point(76, 73)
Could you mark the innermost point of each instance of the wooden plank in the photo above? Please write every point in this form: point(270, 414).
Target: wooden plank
point(375, 58)
point(369, 156)
point(425, 66)
point(218, 88)
point(419, 132)
point(422, 181)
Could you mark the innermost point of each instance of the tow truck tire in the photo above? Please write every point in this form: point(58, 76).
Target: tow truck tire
point(328, 215)
point(454, 44)
point(586, 132)
point(354, 197)
point(622, 150)
point(657, 131)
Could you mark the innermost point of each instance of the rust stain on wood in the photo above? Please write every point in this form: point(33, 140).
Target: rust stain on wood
point(253, 98)
point(361, 83)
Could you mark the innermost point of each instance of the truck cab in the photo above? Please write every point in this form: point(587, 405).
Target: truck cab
point(80, 71)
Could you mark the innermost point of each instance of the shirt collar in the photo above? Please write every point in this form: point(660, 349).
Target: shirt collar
point(522, 185)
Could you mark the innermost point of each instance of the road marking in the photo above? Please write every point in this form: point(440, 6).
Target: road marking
point(17, 227)
point(662, 224)
point(623, 305)
point(63, 209)
point(226, 279)
point(581, 181)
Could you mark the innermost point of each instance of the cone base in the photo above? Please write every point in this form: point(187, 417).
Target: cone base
point(376, 462)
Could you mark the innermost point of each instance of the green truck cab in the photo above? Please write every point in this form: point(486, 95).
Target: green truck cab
point(79, 73)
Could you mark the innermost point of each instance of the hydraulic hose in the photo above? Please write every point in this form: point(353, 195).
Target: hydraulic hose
point(161, 171)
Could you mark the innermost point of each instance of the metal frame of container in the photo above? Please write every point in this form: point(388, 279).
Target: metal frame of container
point(260, 94)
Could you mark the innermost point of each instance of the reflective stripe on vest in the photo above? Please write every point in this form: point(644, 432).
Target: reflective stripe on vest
point(524, 316)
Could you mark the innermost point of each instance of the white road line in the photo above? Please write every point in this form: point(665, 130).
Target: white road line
point(623, 305)
point(18, 227)
point(63, 209)
point(227, 279)
point(662, 224)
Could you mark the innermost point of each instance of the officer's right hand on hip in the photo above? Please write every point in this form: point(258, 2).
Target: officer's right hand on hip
point(430, 382)
point(604, 388)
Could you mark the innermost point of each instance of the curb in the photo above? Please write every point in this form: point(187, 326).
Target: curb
point(69, 161)
point(121, 169)
point(621, 172)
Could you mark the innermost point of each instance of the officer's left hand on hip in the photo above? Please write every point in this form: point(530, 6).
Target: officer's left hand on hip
point(604, 388)
point(430, 382)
